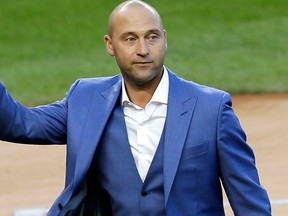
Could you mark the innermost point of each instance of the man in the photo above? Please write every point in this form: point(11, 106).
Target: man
point(145, 142)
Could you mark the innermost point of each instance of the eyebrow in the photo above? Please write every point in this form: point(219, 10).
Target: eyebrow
point(123, 35)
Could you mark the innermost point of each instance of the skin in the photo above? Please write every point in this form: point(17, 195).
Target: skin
point(137, 40)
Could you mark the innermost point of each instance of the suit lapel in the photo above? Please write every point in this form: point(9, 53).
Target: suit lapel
point(98, 114)
point(179, 114)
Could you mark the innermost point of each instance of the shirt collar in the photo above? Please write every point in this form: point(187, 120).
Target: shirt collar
point(160, 95)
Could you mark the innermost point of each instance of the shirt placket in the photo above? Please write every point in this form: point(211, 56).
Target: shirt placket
point(144, 147)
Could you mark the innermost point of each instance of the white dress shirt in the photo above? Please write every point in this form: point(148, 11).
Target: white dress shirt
point(145, 126)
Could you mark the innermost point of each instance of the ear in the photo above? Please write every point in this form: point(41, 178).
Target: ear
point(109, 46)
point(165, 35)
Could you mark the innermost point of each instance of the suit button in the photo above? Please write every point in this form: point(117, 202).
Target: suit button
point(144, 193)
point(60, 206)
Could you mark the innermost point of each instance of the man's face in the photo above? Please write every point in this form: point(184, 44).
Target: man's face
point(138, 42)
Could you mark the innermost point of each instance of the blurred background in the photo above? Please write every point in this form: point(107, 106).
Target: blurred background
point(240, 46)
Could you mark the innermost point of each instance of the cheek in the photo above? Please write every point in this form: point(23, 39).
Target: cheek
point(160, 54)
point(122, 59)
point(123, 55)
point(160, 49)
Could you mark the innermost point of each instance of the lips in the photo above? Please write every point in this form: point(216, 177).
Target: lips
point(142, 63)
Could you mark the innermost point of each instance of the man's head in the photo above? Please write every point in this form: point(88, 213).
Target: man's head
point(137, 40)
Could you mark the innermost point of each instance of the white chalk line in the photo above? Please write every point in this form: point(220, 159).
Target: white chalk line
point(272, 201)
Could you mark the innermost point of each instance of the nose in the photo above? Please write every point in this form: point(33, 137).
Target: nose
point(143, 48)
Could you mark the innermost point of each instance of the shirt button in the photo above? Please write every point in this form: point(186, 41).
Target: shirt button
point(144, 193)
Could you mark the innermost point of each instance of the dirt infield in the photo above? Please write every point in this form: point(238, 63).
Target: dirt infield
point(33, 176)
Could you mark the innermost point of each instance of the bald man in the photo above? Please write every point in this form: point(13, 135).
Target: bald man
point(143, 142)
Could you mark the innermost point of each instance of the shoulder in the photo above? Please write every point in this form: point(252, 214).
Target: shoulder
point(98, 81)
point(193, 89)
point(95, 83)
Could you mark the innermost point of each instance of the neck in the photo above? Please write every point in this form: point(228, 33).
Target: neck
point(141, 95)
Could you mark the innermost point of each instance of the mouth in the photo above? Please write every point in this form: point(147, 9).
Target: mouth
point(142, 63)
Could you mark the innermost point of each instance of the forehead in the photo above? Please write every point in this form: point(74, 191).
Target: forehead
point(135, 19)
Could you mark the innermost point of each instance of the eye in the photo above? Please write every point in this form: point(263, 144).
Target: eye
point(153, 37)
point(130, 39)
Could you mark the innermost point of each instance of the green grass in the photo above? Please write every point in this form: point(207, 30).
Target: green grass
point(240, 46)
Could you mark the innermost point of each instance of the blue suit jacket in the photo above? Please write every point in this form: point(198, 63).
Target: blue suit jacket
point(204, 142)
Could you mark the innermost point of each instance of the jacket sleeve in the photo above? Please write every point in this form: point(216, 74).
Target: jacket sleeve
point(36, 125)
point(237, 165)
